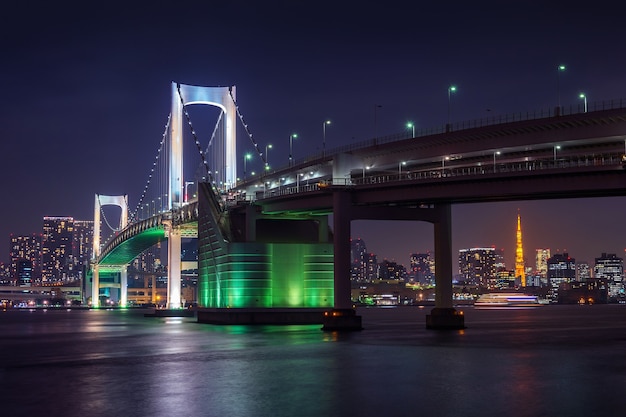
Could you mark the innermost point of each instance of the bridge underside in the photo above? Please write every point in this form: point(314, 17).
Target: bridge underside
point(125, 252)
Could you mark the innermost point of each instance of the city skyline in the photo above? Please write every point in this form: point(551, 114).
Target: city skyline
point(396, 247)
point(89, 94)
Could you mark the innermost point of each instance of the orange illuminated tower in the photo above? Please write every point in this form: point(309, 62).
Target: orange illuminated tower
point(519, 253)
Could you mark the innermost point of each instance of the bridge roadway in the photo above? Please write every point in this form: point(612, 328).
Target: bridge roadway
point(579, 155)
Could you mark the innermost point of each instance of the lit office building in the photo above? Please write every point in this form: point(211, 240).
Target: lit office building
point(541, 262)
point(561, 269)
point(56, 250)
point(24, 273)
point(26, 248)
point(583, 271)
point(391, 271)
point(478, 266)
point(82, 247)
point(611, 268)
point(422, 267)
point(358, 260)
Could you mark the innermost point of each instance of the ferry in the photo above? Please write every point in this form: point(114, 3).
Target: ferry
point(507, 299)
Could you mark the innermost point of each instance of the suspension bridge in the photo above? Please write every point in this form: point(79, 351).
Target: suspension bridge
point(269, 249)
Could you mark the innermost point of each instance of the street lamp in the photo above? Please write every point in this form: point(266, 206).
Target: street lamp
point(494, 160)
point(291, 137)
point(186, 194)
point(559, 70)
point(400, 167)
point(245, 160)
point(451, 90)
point(327, 122)
point(411, 126)
point(584, 97)
point(267, 156)
point(555, 149)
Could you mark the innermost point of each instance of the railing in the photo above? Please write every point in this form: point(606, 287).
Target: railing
point(462, 125)
point(582, 161)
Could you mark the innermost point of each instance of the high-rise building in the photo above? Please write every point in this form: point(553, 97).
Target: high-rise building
point(56, 250)
point(611, 268)
point(390, 270)
point(478, 265)
point(583, 271)
point(82, 247)
point(358, 260)
point(541, 262)
point(422, 268)
point(561, 269)
point(24, 273)
point(26, 248)
point(520, 270)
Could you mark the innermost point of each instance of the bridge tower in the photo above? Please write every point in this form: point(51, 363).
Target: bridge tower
point(120, 201)
point(184, 95)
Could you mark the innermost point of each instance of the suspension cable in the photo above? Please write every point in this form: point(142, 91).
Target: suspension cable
point(245, 126)
point(134, 214)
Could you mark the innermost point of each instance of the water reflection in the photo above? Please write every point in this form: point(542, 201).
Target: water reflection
point(555, 362)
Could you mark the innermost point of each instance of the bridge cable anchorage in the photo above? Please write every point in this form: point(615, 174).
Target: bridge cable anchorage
point(135, 213)
point(216, 197)
point(245, 126)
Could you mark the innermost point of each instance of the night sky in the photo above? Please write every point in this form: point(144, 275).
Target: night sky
point(86, 94)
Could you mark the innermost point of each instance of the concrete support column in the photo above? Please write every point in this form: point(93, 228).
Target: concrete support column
point(95, 286)
point(444, 316)
point(343, 317)
point(124, 287)
point(173, 269)
point(341, 241)
point(443, 257)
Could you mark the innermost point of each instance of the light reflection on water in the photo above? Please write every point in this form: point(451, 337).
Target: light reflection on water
point(560, 361)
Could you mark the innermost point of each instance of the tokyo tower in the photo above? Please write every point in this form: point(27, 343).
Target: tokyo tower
point(519, 253)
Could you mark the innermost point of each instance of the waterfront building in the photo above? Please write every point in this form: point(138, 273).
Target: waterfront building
point(56, 250)
point(391, 271)
point(25, 248)
point(359, 260)
point(478, 266)
point(561, 269)
point(610, 268)
point(372, 268)
point(505, 279)
point(583, 271)
point(82, 247)
point(422, 268)
point(24, 273)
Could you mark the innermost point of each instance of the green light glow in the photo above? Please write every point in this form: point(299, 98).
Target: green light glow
point(268, 275)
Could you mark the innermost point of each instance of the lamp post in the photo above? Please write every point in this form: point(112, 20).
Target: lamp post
point(267, 156)
point(584, 97)
point(494, 160)
point(327, 122)
point(291, 137)
point(186, 194)
point(400, 167)
point(451, 90)
point(555, 149)
point(411, 126)
point(245, 164)
point(559, 70)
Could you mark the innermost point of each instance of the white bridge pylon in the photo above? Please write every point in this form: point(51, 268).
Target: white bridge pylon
point(183, 95)
point(120, 201)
